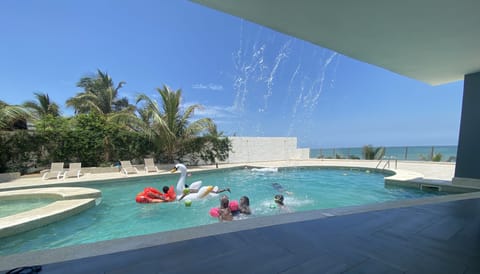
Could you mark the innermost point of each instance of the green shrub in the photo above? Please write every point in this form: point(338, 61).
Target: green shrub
point(437, 157)
point(371, 153)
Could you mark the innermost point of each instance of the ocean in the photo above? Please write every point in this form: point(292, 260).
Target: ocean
point(410, 153)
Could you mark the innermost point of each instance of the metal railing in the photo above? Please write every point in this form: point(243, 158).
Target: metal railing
point(386, 161)
point(412, 153)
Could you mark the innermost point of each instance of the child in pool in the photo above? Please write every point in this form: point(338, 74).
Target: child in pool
point(280, 204)
point(244, 205)
point(279, 199)
point(280, 188)
point(224, 212)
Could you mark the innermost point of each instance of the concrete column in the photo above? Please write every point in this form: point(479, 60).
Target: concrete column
point(467, 168)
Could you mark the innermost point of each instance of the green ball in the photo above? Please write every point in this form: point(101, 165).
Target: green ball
point(188, 203)
point(186, 191)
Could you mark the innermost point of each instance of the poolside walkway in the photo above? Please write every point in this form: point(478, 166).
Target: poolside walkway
point(432, 235)
point(442, 171)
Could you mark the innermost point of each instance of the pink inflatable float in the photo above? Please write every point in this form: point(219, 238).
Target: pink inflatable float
point(233, 207)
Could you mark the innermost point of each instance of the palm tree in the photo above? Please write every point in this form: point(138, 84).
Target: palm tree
point(100, 95)
point(12, 117)
point(43, 106)
point(168, 127)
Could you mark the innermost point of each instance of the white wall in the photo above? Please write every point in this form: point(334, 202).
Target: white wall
point(258, 149)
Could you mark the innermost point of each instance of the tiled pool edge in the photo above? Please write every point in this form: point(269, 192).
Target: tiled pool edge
point(138, 242)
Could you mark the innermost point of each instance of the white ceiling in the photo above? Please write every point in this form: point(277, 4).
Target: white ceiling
point(434, 41)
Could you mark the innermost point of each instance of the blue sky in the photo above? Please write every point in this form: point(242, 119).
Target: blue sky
point(251, 80)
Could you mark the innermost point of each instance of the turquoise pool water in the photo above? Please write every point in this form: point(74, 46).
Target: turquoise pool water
point(10, 207)
point(120, 216)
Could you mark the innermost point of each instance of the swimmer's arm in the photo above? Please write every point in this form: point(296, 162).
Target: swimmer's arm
point(158, 196)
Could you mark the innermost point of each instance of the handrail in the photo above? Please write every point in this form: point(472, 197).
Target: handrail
point(379, 162)
point(387, 162)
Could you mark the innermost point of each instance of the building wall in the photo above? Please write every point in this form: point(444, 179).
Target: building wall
point(466, 168)
point(258, 149)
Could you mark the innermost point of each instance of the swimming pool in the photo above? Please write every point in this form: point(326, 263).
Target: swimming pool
point(11, 207)
point(119, 216)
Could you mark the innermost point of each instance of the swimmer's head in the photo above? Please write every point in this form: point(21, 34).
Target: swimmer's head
point(224, 202)
point(165, 189)
point(279, 199)
point(186, 191)
point(244, 201)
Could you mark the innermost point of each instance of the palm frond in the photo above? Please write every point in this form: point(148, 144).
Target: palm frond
point(100, 95)
point(9, 114)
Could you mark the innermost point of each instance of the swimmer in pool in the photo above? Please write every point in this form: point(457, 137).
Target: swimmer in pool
point(244, 205)
point(279, 199)
point(279, 202)
point(224, 212)
point(280, 188)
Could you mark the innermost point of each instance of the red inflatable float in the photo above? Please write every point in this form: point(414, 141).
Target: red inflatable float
point(153, 195)
point(233, 205)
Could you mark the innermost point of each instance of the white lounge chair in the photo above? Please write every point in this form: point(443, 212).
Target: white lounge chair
point(150, 165)
point(127, 167)
point(56, 171)
point(74, 169)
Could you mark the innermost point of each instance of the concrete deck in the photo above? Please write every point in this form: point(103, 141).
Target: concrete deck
point(433, 235)
point(441, 172)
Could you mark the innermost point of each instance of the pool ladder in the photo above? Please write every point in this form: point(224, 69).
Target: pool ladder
point(386, 161)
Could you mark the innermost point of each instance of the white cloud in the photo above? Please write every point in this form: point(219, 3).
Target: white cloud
point(220, 114)
point(210, 86)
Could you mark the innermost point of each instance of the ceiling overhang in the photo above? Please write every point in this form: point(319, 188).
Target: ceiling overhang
point(433, 41)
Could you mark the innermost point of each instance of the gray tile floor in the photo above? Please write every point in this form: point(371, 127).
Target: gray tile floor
point(425, 238)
